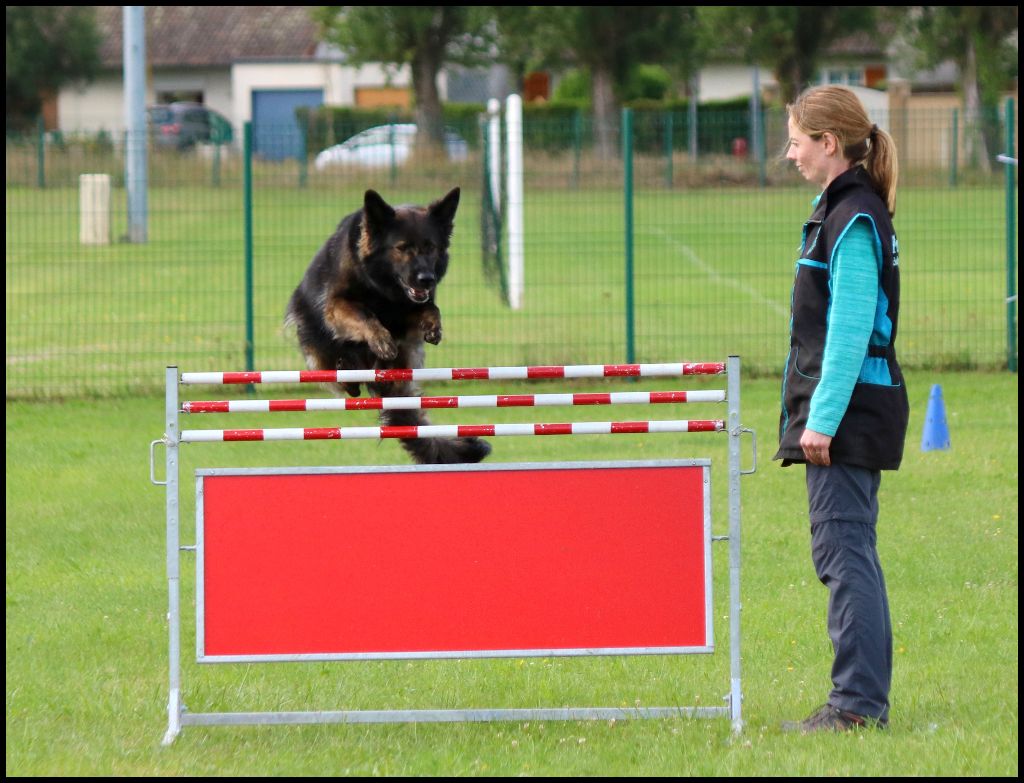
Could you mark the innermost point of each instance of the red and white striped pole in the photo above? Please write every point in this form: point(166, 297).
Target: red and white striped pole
point(451, 431)
point(458, 374)
point(462, 401)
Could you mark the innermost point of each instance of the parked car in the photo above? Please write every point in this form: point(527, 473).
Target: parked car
point(181, 124)
point(384, 145)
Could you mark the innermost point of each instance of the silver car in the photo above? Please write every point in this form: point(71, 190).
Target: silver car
point(384, 145)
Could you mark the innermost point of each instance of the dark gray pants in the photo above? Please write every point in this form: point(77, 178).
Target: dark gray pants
point(843, 504)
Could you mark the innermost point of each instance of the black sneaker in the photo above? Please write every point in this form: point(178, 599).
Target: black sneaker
point(829, 718)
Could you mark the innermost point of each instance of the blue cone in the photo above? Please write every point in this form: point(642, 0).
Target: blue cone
point(936, 433)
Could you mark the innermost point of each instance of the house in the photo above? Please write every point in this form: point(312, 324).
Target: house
point(250, 63)
point(857, 60)
point(259, 63)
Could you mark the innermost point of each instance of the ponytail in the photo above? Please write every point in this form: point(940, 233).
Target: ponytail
point(882, 166)
point(837, 110)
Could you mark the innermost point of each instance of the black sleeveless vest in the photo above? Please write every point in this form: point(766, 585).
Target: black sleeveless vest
point(872, 431)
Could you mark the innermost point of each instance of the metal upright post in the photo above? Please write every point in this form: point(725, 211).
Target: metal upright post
point(171, 435)
point(734, 429)
point(1011, 243)
point(247, 207)
point(627, 176)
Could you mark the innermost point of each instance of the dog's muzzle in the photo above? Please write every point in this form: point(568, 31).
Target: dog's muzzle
point(418, 295)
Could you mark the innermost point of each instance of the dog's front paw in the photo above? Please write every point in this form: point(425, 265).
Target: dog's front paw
point(383, 346)
point(430, 323)
point(432, 333)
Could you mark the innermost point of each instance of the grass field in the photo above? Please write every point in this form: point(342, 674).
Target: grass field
point(86, 598)
point(713, 270)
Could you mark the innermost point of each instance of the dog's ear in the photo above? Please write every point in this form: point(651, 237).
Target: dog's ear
point(378, 212)
point(442, 211)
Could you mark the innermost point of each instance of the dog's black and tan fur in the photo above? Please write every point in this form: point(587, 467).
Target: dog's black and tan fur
point(367, 302)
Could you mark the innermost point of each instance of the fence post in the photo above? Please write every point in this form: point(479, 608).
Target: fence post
point(40, 153)
point(215, 170)
point(393, 163)
point(303, 153)
point(577, 144)
point(627, 168)
point(668, 150)
point(691, 110)
point(247, 209)
point(954, 152)
point(1011, 245)
point(756, 140)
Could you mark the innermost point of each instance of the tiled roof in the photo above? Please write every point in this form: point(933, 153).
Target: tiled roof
point(212, 35)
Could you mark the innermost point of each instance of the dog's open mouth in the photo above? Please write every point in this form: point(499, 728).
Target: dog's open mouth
point(418, 295)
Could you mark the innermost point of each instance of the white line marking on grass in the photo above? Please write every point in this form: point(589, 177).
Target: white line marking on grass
point(713, 274)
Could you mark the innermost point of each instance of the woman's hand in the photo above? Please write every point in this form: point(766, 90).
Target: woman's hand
point(816, 446)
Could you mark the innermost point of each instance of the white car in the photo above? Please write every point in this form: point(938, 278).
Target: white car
point(383, 146)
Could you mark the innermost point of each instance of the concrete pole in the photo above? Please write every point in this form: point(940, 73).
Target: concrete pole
point(135, 163)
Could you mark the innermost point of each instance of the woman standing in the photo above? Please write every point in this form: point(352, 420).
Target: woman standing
point(845, 410)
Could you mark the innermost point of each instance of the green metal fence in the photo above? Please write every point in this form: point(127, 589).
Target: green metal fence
point(655, 254)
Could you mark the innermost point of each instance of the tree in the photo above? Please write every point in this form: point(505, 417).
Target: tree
point(48, 47)
point(790, 39)
point(982, 41)
point(606, 41)
point(422, 37)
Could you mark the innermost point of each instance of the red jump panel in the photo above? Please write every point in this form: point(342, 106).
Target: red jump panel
point(513, 560)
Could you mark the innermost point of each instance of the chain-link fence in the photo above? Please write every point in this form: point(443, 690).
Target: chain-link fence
point(681, 248)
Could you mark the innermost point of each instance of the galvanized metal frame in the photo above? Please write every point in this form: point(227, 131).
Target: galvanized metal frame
point(178, 716)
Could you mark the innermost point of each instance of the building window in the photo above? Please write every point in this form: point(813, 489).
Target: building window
point(851, 77)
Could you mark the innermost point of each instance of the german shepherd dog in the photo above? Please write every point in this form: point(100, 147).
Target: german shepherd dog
point(367, 302)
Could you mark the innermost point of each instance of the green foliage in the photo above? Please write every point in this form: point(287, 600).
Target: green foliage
point(650, 83)
point(947, 32)
point(397, 35)
point(982, 41)
point(606, 43)
point(423, 37)
point(788, 38)
point(647, 82)
point(47, 48)
point(567, 124)
point(573, 86)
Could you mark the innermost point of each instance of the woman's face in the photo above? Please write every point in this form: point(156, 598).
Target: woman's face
point(814, 158)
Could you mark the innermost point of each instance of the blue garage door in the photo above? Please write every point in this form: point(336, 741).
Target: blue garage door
point(275, 131)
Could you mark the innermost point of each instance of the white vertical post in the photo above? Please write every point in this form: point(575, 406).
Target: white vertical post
point(494, 151)
point(514, 142)
point(94, 209)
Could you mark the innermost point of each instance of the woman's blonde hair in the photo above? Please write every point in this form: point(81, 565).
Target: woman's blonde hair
point(837, 110)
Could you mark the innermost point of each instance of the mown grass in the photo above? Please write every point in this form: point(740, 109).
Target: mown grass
point(86, 633)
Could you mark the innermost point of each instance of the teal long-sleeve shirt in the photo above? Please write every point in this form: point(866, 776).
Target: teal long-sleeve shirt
point(851, 321)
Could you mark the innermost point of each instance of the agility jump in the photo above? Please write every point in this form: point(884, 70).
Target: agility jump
point(260, 601)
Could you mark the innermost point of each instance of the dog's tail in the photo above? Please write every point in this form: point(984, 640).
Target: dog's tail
point(428, 451)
